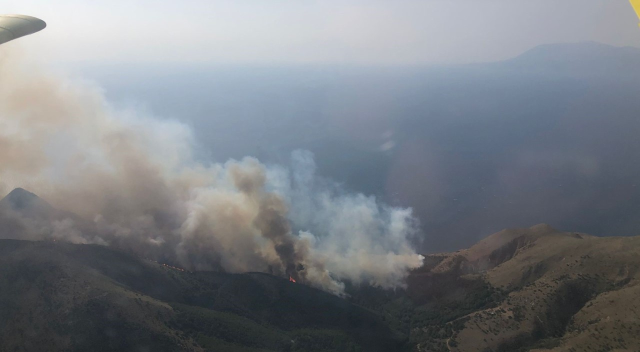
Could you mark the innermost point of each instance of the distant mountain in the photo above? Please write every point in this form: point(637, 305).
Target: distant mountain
point(581, 51)
point(584, 57)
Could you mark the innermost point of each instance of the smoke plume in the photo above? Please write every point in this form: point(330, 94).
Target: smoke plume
point(131, 181)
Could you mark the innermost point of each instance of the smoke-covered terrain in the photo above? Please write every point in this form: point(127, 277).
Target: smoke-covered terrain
point(125, 179)
point(549, 136)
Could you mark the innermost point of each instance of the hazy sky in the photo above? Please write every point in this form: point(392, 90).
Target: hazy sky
point(321, 31)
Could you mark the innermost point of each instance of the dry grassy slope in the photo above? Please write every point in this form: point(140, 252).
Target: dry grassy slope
point(566, 291)
point(498, 248)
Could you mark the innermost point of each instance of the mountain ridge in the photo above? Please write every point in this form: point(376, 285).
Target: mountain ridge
point(468, 300)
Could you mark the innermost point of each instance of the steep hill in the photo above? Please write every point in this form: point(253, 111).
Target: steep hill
point(26, 202)
point(24, 215)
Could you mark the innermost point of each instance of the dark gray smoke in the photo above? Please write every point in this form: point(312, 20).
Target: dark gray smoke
point(128, 180)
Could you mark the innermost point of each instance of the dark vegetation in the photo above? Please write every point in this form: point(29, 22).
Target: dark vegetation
point(86, 297)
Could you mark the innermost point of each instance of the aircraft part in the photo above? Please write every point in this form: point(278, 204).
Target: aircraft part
point(16, 26)
point(636, 6)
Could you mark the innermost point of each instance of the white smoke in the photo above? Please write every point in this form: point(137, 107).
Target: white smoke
point(133, 182)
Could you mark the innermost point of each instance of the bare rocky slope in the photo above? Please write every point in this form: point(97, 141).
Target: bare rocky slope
point(559, 291)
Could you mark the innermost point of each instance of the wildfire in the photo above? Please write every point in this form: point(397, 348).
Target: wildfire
point(292, 279)
point(173, 267)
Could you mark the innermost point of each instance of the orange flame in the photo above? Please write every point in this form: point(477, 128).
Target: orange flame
point(173, 267)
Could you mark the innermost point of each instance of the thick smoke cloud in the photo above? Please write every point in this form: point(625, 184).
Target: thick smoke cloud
point(123, 179)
